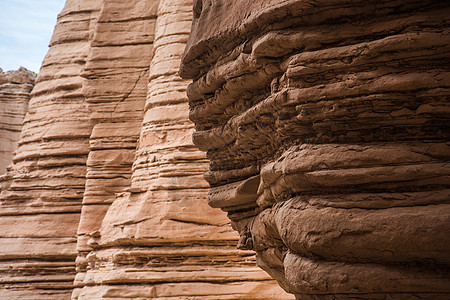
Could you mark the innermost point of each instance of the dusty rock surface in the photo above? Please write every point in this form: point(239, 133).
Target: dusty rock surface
point(41, 201)
point(115, 87)
point(148, 229)
point(106, 197)
point(327, 127)
point(15, 88)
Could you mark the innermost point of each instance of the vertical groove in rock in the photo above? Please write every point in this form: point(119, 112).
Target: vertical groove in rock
point(15, 88)
point(327, 127)
point(159, 239)
point(41, 200)
point(116, 74)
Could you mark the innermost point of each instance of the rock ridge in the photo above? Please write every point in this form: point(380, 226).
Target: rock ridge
point(326, 126)
point(15, 88)
point(105, 197)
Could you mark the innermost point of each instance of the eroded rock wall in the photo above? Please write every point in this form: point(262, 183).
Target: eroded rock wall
point(40, 205)
point(106, 196)
point(115, 89)
point(15, 88)
point(159, 238)
point(326, 124)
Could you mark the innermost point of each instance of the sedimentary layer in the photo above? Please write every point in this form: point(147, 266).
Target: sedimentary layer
point(41, 200)
point(15, 88)
point(159, 239)
point(326, 124)
point(116, 75)
point(106, 197)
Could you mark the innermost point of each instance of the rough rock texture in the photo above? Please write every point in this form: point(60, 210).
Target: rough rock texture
point(115, 89)
point(15, 88)
point(327, 127)
point(159, 238)
point(106, 196)
point(40, 205)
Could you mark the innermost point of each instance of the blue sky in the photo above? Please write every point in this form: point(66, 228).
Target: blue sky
point(26, 27)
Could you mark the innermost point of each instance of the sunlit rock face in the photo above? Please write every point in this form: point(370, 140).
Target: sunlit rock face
point(115, 87)
point(327, 128)
point(40, 201)
point(15, 88)
point(106, 197)
point(146, 230)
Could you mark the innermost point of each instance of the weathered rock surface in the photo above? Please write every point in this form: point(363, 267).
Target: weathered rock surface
point(15, 88)
point(41, 202)
point(106, 196)
point(115, 89)
point(159, 238)
point(327, 127)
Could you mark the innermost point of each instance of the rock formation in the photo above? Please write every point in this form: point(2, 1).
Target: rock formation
point(41, 203)
point(15, 88)
point(115, 89)
point(327, 127)
point(159, 238)
point(106, 197)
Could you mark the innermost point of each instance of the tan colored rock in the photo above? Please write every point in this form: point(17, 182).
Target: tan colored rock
point(40, 205)
point(326, 123)
point(106, 197)
point(15, 88)
point(158, 239)
point(115, 89)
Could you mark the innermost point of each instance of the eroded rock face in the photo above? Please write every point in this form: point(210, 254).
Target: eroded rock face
point(41, 200)
point(326, 124)
point(15, 88)
point(159, 238)
point(115, 87)
point(106, 196)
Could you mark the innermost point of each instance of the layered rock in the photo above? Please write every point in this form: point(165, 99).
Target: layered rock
point(115, 89)
point(15, 88)
point(159, 239)
point(326, 123)
point(40, 205)
point(106, 197)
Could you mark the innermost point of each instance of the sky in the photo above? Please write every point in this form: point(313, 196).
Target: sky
point(26, 27)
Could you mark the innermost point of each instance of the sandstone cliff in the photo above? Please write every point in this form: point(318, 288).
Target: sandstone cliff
point(106, 197)
point(15, 88)
point(115, 89)
point(327, 127)
point(158, 239)
point(41, 205)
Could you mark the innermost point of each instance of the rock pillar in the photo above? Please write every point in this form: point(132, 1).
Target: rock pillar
point(41, 200)
point(327, 127)
point(15, 88)
point(159, 239)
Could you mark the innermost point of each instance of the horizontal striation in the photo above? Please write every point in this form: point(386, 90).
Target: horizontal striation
point(326, 125)
point(159, 239)
point(116, 73)
point(15, 88)
point(42, 202)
